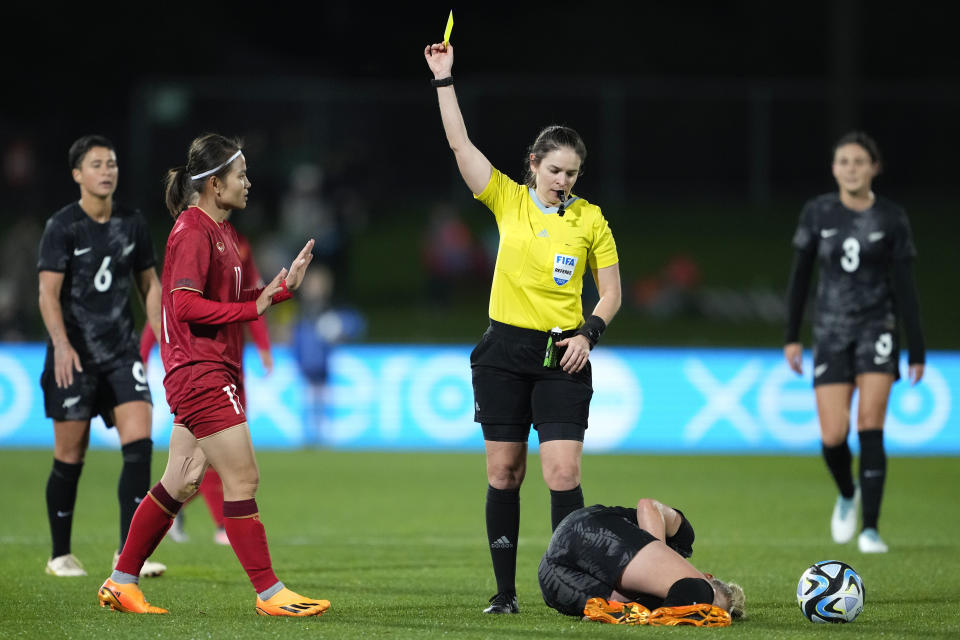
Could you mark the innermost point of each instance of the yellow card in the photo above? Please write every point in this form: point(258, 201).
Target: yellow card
point(446, 32)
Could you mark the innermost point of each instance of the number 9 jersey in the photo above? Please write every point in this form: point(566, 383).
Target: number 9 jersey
point(97, 261)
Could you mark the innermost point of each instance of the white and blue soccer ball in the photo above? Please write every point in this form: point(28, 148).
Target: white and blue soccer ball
point(830, 591)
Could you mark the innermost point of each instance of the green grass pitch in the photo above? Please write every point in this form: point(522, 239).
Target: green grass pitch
point(396, 542)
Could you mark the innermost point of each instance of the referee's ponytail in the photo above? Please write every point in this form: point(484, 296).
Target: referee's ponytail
point(210, 155)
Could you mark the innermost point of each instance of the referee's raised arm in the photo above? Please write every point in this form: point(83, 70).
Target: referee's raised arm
point(474, 166)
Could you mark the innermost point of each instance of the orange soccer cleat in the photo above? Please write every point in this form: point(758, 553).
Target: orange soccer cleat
point(614, 612)
point(288, 603)
point(691, 615)
point(125, 597)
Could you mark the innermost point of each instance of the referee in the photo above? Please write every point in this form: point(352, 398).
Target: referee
point(532, 364)
point(865, 251)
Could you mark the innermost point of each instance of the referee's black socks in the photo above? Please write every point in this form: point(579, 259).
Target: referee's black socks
point(563, 503)
point(873, 473)
point(61, 498)
point(503, 527)
point(134, 481)
point(838, 461)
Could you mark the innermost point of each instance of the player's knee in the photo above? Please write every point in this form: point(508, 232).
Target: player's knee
point(562, 476)
point(689, 591)
point(506, 476)
point(648, 506)
point(182, 477)
point(242, 486)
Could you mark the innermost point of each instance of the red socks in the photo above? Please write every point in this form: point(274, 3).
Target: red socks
point(150, 523)
point(249, 541)
point(212, 491)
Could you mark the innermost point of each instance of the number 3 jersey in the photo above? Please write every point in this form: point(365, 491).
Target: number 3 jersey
point(97, 261)
point(856, 251)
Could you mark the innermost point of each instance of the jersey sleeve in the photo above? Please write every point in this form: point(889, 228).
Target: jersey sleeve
point(499, 192)
point(54, 252)
point(903, 247)
point(805, 237)
point(191, 260)
point(144, 257)
point(603, 253)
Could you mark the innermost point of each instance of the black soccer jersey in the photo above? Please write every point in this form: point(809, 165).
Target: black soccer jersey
point(98, 261)
point(856, 251)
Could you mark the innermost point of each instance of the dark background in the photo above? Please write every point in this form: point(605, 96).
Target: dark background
point(707, 125)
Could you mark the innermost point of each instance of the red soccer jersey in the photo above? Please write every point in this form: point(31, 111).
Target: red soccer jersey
point(202, 259)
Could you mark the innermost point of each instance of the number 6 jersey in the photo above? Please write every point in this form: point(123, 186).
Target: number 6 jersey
point(97, 261)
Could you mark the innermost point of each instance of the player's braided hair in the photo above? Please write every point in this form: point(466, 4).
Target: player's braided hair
point(206, 152)
point(550, 139)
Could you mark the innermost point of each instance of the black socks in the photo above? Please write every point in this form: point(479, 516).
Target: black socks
point(563, 503)
point(838, 461)
point(873, 473)
point(61, 498)
point(503, 527)
point(134, 481)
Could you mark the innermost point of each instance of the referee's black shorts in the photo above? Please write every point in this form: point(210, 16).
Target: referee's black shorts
point(587, 556)
point(512, 387)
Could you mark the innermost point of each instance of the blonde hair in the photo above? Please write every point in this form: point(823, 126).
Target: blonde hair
point(734, 595)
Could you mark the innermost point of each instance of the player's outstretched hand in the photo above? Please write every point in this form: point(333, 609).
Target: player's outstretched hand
point(439, 59)
point(65, 360)
point(273, 287)
point(577, 353)
point(793, 352)
point(299, 266)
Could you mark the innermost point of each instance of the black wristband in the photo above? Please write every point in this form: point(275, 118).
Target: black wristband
point(441, 82)
point(592, 329)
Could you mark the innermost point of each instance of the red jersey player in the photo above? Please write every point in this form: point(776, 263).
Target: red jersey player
point(204, 305)
point(211, 488)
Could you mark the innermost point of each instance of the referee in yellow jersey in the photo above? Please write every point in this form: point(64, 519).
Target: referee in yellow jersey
point(532, 364)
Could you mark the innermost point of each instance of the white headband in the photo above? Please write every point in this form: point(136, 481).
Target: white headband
point(215, 169)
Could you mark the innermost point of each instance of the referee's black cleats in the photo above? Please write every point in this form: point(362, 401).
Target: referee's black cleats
point(503, 602)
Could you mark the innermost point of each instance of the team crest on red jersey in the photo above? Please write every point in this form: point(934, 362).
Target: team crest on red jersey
point(220, 246)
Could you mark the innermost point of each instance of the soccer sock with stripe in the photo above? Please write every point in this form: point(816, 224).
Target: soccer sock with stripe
point(563, 503)
point(150, 523)
point(61, 499)
point(134, 481)
point(838, 461)
point(241, 518)
point(503, 527)
point(873, 474)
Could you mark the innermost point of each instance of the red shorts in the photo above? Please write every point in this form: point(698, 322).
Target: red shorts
point(213, 403)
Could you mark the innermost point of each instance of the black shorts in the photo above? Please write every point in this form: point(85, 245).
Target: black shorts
point(95, 390)
point(512, 387)
point(587, 556)
point(872, 346)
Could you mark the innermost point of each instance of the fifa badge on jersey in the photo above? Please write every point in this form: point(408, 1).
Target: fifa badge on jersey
point(563, 268)
point(220, 246)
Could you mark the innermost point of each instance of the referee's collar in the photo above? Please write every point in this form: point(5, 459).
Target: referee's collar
point(548, 210)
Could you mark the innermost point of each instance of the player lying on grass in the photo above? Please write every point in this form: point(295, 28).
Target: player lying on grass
point(628, 566)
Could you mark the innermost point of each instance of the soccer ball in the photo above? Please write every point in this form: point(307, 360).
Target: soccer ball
point(830, 591)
